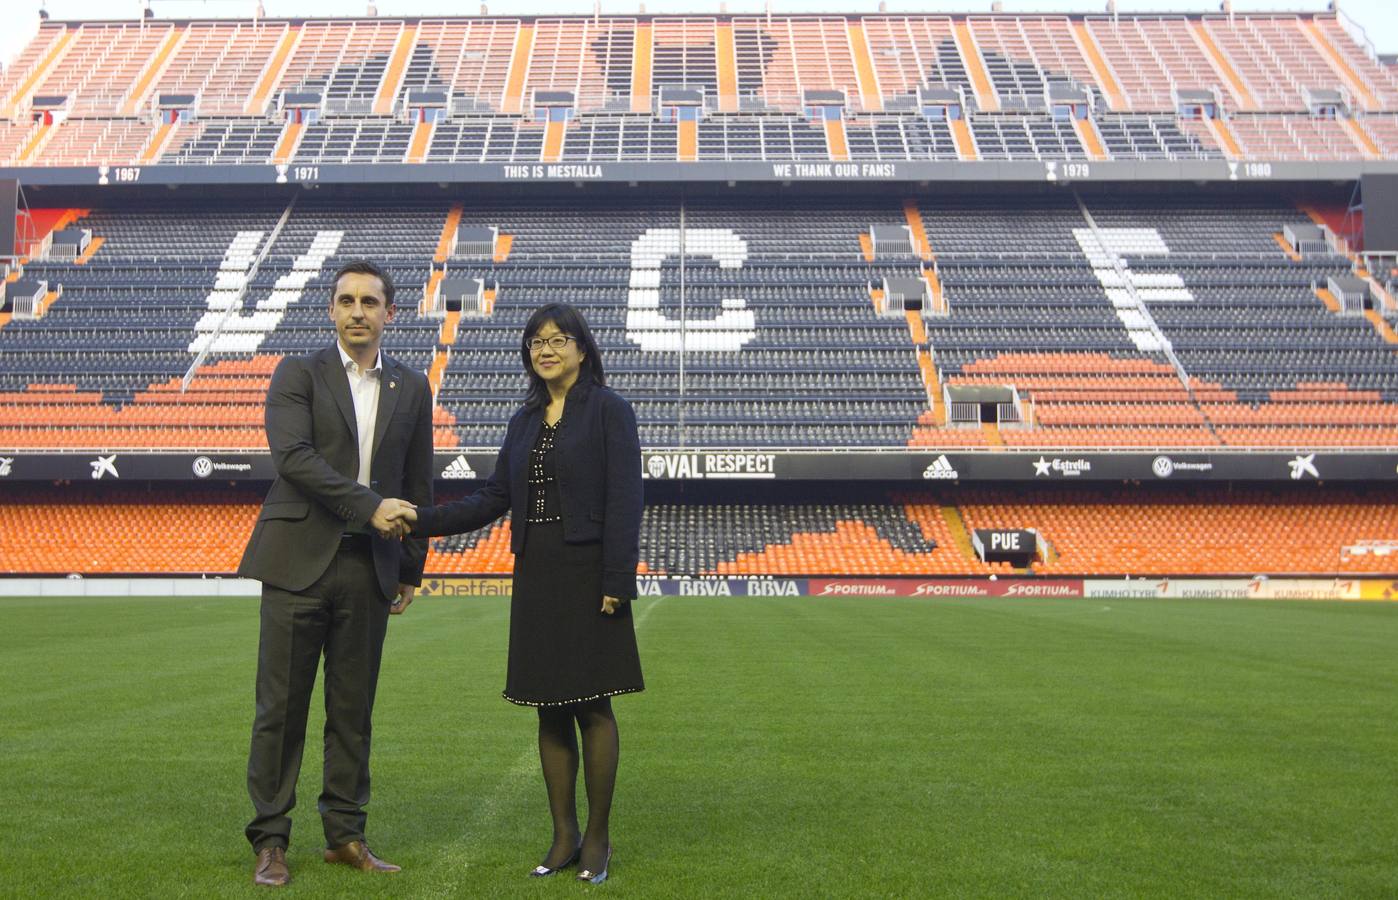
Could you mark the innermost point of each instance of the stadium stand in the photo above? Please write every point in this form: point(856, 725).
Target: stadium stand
point(1064, 314)
point(468, 58)
point(225, 143)
point(93, 141)
point(1192, 532)
point(1111, 323)
point(221, 64)
point(1086, 530)
point(772, 88)
point(345, 60)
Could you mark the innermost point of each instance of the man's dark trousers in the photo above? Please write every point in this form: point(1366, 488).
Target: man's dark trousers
point(344, 615)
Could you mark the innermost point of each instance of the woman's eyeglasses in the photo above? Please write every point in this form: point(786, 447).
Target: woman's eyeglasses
point(557, 342)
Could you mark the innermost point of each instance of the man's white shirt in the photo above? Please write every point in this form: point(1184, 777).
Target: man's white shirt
point(364, 391)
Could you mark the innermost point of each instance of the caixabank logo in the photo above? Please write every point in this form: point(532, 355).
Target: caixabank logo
point(1302, 466)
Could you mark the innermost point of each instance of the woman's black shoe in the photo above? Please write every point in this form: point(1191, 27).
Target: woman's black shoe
point(545, 871)
point(596, 877)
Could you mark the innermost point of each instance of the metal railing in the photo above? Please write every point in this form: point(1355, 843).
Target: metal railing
point(236, 303)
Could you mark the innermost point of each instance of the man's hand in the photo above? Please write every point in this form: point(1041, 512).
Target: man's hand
point(405, 599)
point(387, 519)
point(610, 604)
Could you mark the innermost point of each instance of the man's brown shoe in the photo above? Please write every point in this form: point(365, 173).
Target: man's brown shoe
point(271, 869)
point(357, 854)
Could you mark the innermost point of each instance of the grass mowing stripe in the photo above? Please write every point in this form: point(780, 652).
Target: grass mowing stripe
point(784, 747)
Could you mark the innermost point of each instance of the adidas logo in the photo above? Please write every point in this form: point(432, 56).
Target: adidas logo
point(459, 468)
point(941, 467)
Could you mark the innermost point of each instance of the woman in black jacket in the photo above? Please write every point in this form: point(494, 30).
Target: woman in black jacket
point(569, 473)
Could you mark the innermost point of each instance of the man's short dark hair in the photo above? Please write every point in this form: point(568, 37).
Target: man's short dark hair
point(364, 267)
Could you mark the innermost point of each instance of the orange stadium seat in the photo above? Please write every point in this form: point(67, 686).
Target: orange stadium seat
point(1089, 531)
point(187, 532)
point(1117, 532)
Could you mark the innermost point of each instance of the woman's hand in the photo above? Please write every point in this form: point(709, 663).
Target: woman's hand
point(609, 604)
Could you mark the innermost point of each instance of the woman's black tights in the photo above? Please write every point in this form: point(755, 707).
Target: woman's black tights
point(558, 754)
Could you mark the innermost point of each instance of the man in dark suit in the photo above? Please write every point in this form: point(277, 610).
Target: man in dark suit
point(348, 427)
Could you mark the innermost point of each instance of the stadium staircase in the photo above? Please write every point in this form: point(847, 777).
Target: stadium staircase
point(956, 528)
point(136, 98)
point(1237, 86)
point(838, 146)
point(1354, 83)
point(519, 67)
point(1089, 138)
point(44, 53)
point(642, 71)
point(421, 141)
point(1385, 305)
point(869, 98)
point(290, 139)
point(392, 81)
point(1101, 69)
point(272, 74)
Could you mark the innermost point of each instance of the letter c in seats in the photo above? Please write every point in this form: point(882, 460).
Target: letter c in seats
point(654, 331)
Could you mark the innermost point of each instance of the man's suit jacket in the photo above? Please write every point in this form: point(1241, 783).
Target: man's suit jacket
point(315, 448)
point(598, 453)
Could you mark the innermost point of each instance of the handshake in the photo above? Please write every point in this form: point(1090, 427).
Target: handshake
point(394, 518)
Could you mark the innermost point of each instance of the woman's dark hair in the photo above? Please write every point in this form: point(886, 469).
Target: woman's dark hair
point(570, 322)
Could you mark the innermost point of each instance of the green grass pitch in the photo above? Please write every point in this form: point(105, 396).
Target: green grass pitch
point(785, 747)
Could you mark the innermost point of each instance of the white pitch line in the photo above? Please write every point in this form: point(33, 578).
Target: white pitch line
point(645, 613)
point(488, 808)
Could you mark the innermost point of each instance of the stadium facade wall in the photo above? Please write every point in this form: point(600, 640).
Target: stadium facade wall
point(784, 172)
point(1304, 464)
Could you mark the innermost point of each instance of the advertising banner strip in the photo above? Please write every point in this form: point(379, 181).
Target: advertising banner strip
point(1242, 588)
point(954, 588)
point(484, 586)
point(661, 465)
point(1379, 589)
point(946, 587)
point(662, 586)
point(786, 172)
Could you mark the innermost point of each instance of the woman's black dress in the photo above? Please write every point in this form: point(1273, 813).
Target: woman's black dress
point(563, 648)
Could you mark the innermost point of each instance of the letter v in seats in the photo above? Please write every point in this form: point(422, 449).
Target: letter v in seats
point(225, 325)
